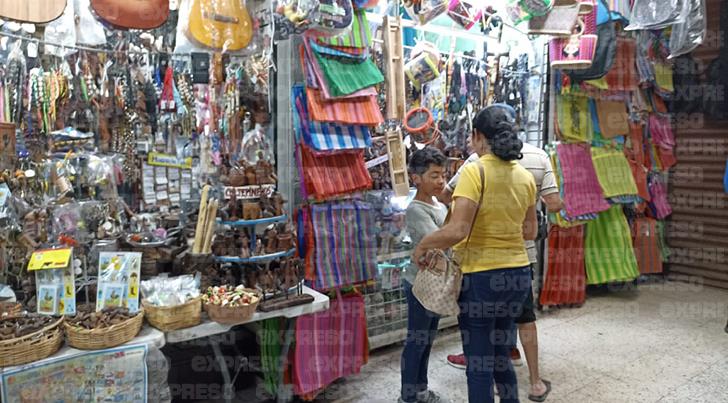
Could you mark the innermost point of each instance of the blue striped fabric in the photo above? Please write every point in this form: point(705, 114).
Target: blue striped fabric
point(323, 136)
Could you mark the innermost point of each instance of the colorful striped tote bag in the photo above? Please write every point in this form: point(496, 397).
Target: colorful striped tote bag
point(565, 279)
point(315, 76)
point(347, 78)
point(354, 111)
point(647, 245)
point(573, 121)
point(608, 251)
point(613, 171)
point(345, 248)
point(660, 130)
point(359, 37)
point(639, 173)
point(623, 74)
point(582, 193)
point(322, 136)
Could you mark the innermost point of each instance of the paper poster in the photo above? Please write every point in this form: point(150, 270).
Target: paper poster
point(112, 375)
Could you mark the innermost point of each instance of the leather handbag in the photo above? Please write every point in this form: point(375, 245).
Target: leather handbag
point(437, 287)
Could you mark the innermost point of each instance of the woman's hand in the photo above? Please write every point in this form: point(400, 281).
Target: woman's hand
point(419, 256)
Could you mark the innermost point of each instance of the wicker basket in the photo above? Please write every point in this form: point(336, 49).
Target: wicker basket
point(10, 309)
point(167, 318)
point(106, 337)
point(32, 347)
point(231, 316)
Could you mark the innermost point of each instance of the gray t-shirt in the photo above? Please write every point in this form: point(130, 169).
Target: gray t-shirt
point(422, 220)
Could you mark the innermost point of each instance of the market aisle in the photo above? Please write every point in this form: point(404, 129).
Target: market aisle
point(663, 343)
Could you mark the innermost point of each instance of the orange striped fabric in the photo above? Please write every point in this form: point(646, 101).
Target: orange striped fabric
point(623, 74)
point(331, 175)
point(646, 245)
point(354, 111)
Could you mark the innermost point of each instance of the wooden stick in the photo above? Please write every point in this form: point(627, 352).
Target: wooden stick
point(211, 223)
point(201, 215)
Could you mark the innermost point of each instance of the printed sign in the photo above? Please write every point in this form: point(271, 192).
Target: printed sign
point(249, 192)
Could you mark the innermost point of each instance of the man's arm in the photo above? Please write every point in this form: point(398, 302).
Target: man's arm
point(553, 202)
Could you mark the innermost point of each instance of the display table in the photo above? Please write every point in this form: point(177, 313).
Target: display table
point(213, 330)
point(72, 372)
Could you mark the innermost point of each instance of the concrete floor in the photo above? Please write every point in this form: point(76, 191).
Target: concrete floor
point(660, 343)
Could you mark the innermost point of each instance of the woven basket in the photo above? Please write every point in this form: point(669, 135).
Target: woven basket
point(98, 339)
point(231, 316)
point(10, 310)
point(167, 318)
point(32, 347)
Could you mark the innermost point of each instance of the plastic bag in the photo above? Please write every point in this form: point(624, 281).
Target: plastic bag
point(425, 11)
point(170, 291)
point(61, 31)
point(89, 31)
point(293, 17)
point(655, 14)
point(689, 34)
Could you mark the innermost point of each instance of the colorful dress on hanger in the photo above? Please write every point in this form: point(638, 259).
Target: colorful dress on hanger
point(608, 251)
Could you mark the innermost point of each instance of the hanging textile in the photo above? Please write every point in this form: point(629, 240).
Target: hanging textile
point(647, 245)
point(608, 251)
point(345, 253)
point(659, 203)
point(634, 148)
point(582, 193)
point(573, 119)
point(613, 118)
point(564, 280)
point(360, 35)
point(322, 136)
point(329, 175)
point(613, 172)
point(315, 76)
point(660, 130)
point(354, 111)
point(330, 345)
point(623, 75)
point(664, 249)
point(667, 158)
point(560, 218)
point(270, 353)
point(348, 78)
point(639, 173)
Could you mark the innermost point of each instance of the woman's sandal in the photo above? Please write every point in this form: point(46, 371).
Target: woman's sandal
point(542, 397)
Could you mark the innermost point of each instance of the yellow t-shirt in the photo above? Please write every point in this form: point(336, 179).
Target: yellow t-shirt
point(497, 239)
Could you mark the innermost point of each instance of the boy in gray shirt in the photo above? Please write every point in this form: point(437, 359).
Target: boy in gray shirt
point(424, 215)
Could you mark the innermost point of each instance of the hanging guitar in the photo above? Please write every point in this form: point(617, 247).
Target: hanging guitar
point(132, 14)
point(33, 11)
point(220, 24)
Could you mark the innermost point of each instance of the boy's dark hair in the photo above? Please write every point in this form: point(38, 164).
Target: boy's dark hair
point(421, 160)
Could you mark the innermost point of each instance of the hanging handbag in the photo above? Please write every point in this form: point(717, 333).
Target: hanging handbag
point(574, 52)
point(437, 287)
point(605, 53)
point(559, 21)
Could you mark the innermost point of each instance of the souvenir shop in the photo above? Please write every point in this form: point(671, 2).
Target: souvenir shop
point(200, 198)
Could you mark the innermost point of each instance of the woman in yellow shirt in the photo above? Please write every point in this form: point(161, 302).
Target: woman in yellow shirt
point(489, 241)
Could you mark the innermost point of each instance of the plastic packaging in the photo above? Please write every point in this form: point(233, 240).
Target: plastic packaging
point(424, 64)
point(424, 11)
point(89, 31)
point(331, 17)
point(62, 31)
point(464, 12)
point(655, 14)
point(523, 10)
point(170, 291)
point(689, 34)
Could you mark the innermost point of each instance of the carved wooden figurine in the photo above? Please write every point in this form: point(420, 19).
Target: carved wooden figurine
point(251, 211)
point(271, 241)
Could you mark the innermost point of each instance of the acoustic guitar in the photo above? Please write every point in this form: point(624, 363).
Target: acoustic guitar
point(220, 24)
point(33, 11)
point(132, 14)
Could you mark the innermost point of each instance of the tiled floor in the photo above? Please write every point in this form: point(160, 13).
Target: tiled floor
point(660, 343)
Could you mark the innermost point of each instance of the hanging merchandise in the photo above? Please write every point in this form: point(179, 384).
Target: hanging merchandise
point(660, 129)
point(354, 111)
point(688, 35)
point(608, 252)
point(654, 14)
point(559, 21)
point(424, 11)
point(464, 12)
point(587, 6)
point(331, 17)
point(613, 118)
point(358, 37)
point(61, 31)
point(329, 175)
point(573, 121)
point(623, 75)
point(605, 53)
point(583, 194)
point(424, 64)
point(524, 10)
point(647, 245)
point(564, 281)
point(659, 204)
point(205, 24)
point(615, 176)
point(421, 126)
point(348, 78)
point(576, 51)
point(639, 173)
point(725, 178)
point(618, 10)
point(89, 31)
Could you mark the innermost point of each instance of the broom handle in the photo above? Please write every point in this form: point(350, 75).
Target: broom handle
point(201, 215)
point(210, 229)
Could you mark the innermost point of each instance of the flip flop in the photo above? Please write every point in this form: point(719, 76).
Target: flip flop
point(542, 397)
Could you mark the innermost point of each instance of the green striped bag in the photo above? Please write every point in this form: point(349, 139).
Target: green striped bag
point(348, 78)
point(608, 251)
point(360, 35)
point(613, 172)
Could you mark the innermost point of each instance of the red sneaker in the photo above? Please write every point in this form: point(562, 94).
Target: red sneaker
point(457, 361)
point(516, 357)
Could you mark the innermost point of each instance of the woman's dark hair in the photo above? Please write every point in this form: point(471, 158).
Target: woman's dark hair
point(421, 160)
point(496, 122)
